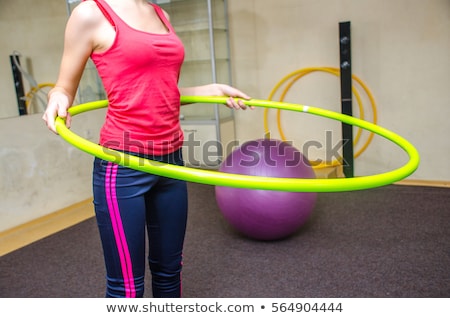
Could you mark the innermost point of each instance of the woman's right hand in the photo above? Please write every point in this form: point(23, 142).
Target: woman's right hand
point(58, 104)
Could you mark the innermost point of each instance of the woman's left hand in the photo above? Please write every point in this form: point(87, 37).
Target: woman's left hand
point(235, 96)
point(234, 101)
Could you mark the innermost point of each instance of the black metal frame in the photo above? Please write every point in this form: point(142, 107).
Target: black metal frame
point(18, 84)
point(346, 97)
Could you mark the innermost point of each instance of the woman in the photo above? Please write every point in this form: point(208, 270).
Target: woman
point(138, 57)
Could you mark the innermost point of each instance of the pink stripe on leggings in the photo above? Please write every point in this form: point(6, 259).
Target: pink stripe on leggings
point(119, 233)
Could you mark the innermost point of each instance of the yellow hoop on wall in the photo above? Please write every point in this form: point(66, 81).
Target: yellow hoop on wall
point(295, 76)
point(33, 94)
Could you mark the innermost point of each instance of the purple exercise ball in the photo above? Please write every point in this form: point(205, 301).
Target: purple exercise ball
point(266, 214)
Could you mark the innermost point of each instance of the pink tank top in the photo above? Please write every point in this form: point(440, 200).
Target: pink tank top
point(140, 73)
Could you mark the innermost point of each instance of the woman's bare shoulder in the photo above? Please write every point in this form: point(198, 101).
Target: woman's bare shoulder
point(86, 13)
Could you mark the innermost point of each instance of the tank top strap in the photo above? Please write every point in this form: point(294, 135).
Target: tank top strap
point(162, 17)
point(108, 12)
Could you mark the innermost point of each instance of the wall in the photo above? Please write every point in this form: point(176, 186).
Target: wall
point(400, 50)
point(36, 30)
point(40, 173)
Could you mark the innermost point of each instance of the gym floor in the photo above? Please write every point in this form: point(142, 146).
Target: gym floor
point(392, 241)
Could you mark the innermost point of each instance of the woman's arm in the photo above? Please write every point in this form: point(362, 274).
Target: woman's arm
point(218, 90)
point(78, 45)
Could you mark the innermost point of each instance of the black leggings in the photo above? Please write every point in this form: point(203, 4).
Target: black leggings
point(127, 202)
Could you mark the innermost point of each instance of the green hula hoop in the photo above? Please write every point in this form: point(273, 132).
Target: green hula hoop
point(244, 181)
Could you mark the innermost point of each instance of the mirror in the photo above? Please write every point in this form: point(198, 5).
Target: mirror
point(31, 36)
point(34, 100)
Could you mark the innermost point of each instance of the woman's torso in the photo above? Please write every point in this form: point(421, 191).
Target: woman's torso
point(139, 64)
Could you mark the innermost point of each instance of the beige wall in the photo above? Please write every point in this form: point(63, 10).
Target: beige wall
point(39, 172)
point(36, 30)
point(400, 50)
